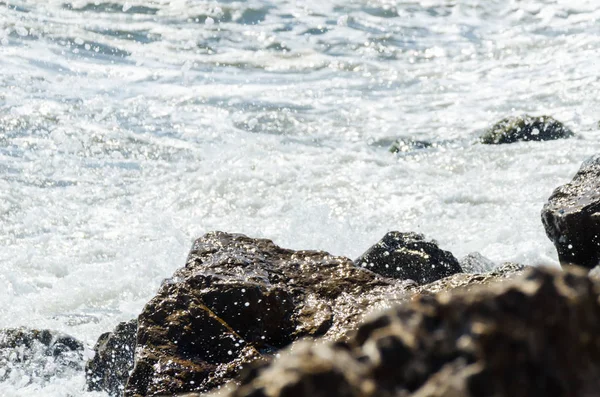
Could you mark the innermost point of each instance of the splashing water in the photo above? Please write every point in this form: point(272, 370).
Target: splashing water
point(128, 128)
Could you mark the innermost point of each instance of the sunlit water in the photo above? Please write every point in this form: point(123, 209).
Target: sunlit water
point(127, 129)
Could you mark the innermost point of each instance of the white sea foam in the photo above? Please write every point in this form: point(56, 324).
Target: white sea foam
point(127, 129)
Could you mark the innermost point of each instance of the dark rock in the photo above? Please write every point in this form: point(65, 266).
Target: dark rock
point(525, 128)
point(113, 360)
point(240, 299)
point(476, 263)
point(38, 355)
point(408, 256)
point(408, 145)
point(572, 217)
point(536, 335)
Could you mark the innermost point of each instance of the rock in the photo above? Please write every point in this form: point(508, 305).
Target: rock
point(109, 369)
point(525, 128)
point(408, 145)
point(240, 299)
point(537, 335)
point(476, 263)
point(572, 217)
point(35, 356)
point(408, 256)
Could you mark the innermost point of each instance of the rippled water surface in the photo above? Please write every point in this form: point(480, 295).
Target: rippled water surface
point(129, 128)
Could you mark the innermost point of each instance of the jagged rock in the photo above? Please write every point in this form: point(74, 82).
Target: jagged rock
point(572, 217)
point(38, 355)
point(476, 263)
point(537, 335)
point(109, 369)
point(408, 256)
point(240, 299)
point(525, 128)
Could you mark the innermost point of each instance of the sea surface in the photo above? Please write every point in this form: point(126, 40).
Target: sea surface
point(130, 128)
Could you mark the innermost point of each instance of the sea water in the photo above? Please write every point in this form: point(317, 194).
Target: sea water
point(130, 128)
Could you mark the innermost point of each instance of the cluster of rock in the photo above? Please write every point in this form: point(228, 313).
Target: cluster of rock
point(249, 318)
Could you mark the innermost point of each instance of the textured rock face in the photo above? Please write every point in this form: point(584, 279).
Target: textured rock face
point(534, 336)
point(30, 354)
point(113, 359)
point(239, 299)
point(572, 217)
point(525, 128)
point(408, 256)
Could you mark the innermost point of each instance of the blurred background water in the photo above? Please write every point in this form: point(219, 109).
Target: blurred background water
point(129, 128)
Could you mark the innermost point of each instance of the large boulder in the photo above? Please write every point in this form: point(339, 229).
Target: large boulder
point(534, 336)
point(240, 299)
point(572, 217)
point(31, 355)
point(109, 369)
point(409, 256)
point(525, 128)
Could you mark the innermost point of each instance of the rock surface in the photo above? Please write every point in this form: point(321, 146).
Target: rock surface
point(38, 355)
point(534, 336)
point(408, 145)
point(525, 128)
point(108, 370)
point(476, 263)
point(408, 256)
point(572, 217)
point(239, 299)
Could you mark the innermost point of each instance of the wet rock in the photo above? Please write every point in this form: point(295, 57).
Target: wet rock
point(572, 217)
point(408, 145)
point(30, 355)
point(240, 299)
point(408, 256)
point(536, 335)
point(109, 369)
point(525, 128)
point(476, 263)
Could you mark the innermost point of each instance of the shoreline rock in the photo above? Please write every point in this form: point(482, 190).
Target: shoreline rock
point(525, 128)
point(533, 336)
point(39, 355)
point(408, 256)
point(240, 300)
point(571, 217)
point(109, 369)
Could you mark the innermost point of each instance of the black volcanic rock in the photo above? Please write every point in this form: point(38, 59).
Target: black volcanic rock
point(408, 256)
point(525, 128)
point(572, 217)
point(109, 369)
point(534, 336)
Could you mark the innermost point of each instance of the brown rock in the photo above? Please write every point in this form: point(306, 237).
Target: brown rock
point(239, 299)
point(537, 335)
